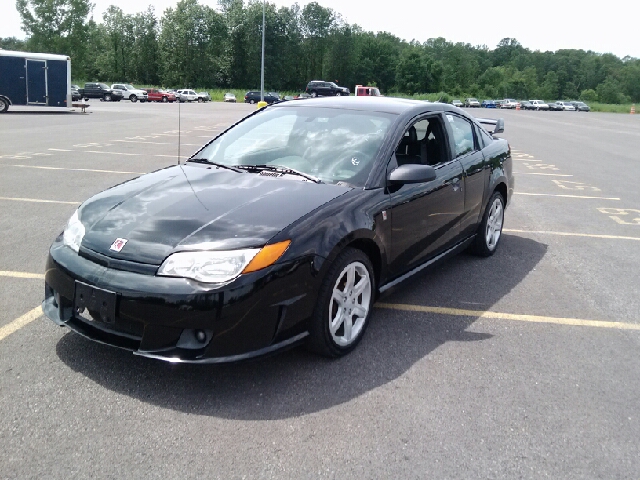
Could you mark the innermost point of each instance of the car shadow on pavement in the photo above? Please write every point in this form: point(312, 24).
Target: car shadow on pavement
point(296, 382)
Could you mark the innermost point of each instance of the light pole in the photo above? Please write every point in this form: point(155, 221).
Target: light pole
point(262, 66)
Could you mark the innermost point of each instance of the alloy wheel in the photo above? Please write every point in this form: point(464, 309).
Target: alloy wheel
point(494, 223)
point(349, 304)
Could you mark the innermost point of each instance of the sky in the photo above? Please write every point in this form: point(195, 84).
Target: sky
point(604, 27)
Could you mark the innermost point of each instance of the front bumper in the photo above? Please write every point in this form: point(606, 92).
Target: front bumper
point(180, 320)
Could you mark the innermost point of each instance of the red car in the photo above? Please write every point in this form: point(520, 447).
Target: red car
point(156, 95)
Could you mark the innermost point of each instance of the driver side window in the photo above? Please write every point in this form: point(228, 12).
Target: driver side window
point(423, 143)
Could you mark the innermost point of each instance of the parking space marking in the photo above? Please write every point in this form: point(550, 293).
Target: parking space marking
point(509, 316)
point(114, 153)
point(615, 213)
point(546, 174)
point(141, 141)
point(171, 156)
point(571, 234)
point(567, 185)
point(525, 160)
point(59, 150)
point(564, 196)
point(37, 200)
point(12, 274)
point(75, 169)
point(20, 322)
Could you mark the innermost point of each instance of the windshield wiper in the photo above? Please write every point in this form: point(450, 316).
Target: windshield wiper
point(281, 169)
point(209, 162)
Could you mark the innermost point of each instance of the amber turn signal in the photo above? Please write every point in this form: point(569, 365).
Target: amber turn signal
point(267, 256)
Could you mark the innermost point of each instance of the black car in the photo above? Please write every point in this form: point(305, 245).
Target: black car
point(555, 107)
point(254, 97)
point(75, 93)
point(581, 106)
point(526, 105)
point(282, 230)
point(320, 88)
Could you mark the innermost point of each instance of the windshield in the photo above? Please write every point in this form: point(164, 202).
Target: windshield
point(129, 87)
point(334, 145)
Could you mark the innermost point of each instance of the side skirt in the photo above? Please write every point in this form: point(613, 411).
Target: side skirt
point(456, 248)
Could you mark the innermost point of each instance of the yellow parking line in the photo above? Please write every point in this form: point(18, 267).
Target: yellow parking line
point(8, 273)
point(563, 196)
point(20, 322)
point(37, 200)
point(74, 169)
point(569, 234)
point(509, 316)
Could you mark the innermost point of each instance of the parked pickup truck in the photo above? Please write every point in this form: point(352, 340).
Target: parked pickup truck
point(100, 90)
point(129, 91)
point(157, 95)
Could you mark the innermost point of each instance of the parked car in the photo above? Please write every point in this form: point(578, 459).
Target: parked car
point(509, 103)
point(302, 96)
point(527, 105)
point(566, 106)
point(101, 91)
point(457, 103)
point(539, 104)
point(157, 95)
point(554, 107)
point(581, 106)
point(75, 93)
point(130, 92)
point(175, 265)
point(364, 91)
point(471, 103)
point(229, 97)
point(204, 97)
point(320, 88)
point(499, 103)
point(188, 95)
point(488, 104)
point(254, 97)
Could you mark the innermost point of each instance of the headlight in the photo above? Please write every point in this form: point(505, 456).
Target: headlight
point(74, 232)
point(221, 266)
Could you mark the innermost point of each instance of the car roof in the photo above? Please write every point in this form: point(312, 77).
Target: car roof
point(374, 104)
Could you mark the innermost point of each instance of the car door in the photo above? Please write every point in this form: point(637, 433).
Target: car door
point(467, 149)
point(425, 217)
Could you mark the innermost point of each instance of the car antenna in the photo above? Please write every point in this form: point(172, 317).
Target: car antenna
point(179, 102)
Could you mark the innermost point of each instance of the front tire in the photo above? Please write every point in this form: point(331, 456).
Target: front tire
point(490, 229)
point(165, 99)
point(107, 97)
point(344, 305)
point(133, 99)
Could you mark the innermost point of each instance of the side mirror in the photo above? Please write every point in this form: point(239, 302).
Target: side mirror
point(412, 173)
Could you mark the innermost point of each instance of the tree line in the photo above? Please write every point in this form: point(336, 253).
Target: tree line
point(194, 45)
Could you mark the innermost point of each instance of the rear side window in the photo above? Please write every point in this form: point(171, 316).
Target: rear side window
point(462, 135)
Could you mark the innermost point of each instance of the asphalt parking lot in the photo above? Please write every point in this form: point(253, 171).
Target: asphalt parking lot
point(522, 365)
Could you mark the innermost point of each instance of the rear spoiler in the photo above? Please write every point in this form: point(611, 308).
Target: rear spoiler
point(490, 121)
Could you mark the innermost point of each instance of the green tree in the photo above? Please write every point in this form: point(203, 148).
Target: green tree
point(589, 95)
point(57, 26)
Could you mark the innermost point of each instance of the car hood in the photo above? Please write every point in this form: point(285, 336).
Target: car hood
point(187, 205)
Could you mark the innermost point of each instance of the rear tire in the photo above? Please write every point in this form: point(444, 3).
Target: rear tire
point(252, 101)
point(344, 305)
point(4, 105)
point(490, 229)
point(313, 94)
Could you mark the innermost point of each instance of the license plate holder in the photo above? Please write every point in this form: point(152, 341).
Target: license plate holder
point(101, 303)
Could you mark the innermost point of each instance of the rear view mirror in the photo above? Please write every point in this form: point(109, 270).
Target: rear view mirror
point(412, 173)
